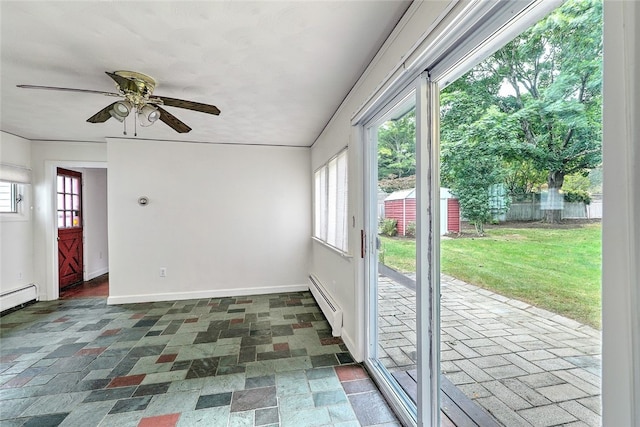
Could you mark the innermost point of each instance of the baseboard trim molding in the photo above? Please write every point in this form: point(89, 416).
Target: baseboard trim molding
point(353, 349)
point(97, 273)
point(211, 293)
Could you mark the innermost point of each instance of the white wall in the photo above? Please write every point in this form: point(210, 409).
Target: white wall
point(94, 205)
point(222, 219)
point(16, 233)
point(46, 156)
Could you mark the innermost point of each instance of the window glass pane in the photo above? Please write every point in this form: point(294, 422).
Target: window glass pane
point(76, 219)
point(76, 185)
point(67, 184)
point(330, 202)
point(332, 196)
point(60, 184)
point(76, 203)
point(60, 201)
point(67, 219)
point(323, 204)
point(7, 197)
point(317, 206)
point(60, 219)
point(67, 201)
point(341, 202)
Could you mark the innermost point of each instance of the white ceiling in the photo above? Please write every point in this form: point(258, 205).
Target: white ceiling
point(277, 70)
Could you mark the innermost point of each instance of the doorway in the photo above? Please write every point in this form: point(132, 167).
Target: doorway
point(93, 210)
point(70, 227)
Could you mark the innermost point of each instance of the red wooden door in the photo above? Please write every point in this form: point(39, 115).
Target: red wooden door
point(69, 202)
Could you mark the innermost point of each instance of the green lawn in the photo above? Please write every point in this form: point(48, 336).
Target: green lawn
point(555, 269)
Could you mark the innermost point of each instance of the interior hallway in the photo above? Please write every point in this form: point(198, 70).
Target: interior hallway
point(97, 287)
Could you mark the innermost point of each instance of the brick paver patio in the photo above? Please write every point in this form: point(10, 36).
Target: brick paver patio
point(526, 366)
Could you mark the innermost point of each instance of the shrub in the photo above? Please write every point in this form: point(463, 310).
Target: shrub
point(389, 227)
point(410, 230)
point(389, 185)
point(577, 196)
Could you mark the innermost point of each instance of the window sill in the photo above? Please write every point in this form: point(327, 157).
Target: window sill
point(332, 248)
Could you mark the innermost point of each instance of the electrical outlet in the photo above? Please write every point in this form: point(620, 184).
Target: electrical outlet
point(163, 272)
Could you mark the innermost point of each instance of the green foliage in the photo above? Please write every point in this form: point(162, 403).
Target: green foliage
point(389, 227)
point(577, 182)
point(536, 104)
point(471, 165)
point(577, 196)
point(389, 185)
point(410, 229)
point(521, 179)
point(397, 147)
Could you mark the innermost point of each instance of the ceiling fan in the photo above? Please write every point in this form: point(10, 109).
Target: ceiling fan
point(137, 91)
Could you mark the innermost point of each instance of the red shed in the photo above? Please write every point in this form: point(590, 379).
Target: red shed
point(401, 206)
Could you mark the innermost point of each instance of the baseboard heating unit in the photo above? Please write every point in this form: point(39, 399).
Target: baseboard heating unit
point(329, 307)
point(14, 298)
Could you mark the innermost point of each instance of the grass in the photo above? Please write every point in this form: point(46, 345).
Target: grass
point(554, 269)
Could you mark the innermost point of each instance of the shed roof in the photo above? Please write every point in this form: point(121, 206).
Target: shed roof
point(411, 194)
point(402, 194)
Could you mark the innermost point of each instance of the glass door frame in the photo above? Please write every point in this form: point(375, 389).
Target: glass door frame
point(427, 409)
point(476, 30)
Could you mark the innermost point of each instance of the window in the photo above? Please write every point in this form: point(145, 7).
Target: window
point(68, 189)
point(8, 197)
point(330, 202)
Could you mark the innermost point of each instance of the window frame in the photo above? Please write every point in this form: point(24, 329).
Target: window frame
point(331, 201)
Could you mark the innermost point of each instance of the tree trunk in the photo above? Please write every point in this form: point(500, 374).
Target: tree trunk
point(554, 203)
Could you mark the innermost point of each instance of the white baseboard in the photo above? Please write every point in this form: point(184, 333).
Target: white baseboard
point(212, 293)
point(353, 349)
point(97, 273)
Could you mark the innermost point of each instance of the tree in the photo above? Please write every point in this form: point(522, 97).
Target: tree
point(548, 82)
point(554, 73)
point(522, 179)
point(472, 165)
point(397, 147)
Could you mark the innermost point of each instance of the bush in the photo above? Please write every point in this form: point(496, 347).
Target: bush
point(389, 185)
point(410, 230)
point(389, 227)
point(577, 196)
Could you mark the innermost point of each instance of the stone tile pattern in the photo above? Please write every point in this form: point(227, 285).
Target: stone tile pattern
point(264, 360)
point(524, 365)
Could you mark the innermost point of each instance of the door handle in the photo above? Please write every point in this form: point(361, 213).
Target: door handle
point(58, 238)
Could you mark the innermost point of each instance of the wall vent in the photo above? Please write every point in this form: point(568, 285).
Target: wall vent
point(329, 307)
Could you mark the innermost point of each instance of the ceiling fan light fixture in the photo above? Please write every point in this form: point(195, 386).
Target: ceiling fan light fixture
point(120, 110)
point(148, 115)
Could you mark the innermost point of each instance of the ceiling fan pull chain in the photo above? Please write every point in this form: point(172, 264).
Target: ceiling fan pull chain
point(124, 122)
point(135, 124)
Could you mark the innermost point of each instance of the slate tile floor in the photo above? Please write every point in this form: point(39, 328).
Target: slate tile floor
point(265, 360)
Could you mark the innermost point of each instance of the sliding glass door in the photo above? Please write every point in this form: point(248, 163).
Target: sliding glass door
point(399, 235)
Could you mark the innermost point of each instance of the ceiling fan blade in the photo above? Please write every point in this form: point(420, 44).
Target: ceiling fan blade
point(68, 89)
point(189, 105)
point(171, 120)
point(127, 85)
point(102, 115)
